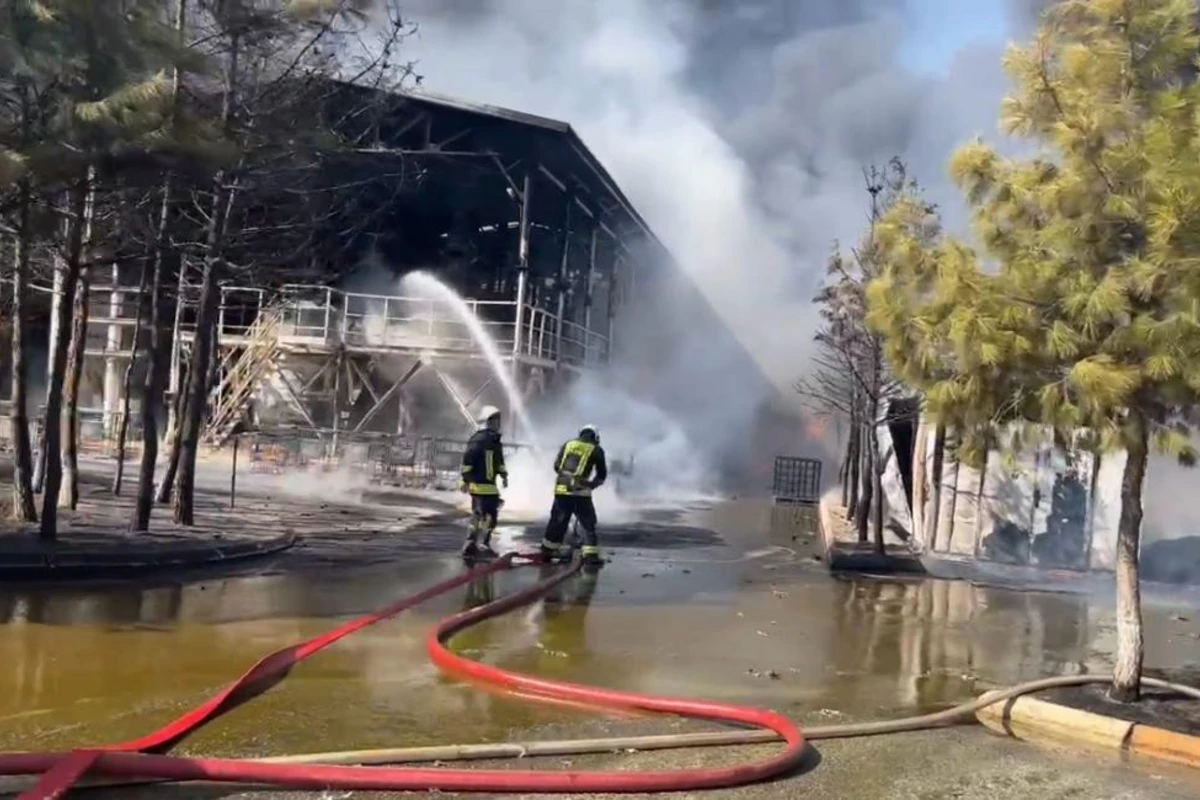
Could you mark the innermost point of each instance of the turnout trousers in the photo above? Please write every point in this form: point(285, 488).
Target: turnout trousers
point(485, 513)
point(566, 507)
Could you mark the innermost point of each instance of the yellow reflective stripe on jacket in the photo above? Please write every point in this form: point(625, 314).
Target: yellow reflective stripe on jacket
point(489, 461)
point(562, 488)
point(482, 488)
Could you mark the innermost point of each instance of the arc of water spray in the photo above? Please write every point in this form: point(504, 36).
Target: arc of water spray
point(424, 284)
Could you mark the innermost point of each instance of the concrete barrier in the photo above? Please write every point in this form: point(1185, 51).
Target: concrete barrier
point(1030, 719)
point(1146, 741)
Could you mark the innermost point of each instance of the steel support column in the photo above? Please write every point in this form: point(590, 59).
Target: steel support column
point(591, 277)
point(336, 422)
point(112, 345)
point(562, 283)
point(614, 286)
point(522, 268)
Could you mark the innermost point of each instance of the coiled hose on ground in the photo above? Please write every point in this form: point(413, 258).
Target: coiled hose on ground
point(143, 760)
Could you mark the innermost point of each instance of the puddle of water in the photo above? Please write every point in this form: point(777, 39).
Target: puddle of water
point(90, 667)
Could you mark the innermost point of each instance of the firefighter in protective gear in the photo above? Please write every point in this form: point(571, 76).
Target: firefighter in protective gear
point(482, 467)
point(580, 468)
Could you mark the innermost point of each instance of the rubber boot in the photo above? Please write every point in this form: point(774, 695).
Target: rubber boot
point(485, 550)
point(470, 550)
point(593, 561)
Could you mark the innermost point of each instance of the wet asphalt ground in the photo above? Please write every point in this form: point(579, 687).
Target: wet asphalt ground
point(710, 601)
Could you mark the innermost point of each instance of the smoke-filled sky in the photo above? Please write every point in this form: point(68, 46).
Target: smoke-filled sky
point(739, 127)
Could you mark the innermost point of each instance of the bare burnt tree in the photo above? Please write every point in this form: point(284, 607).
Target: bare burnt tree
point(122, 434)
point(24, 509)
point(75, 224)
point(208, 114)
point(849, 377)
point(274, 105)
point(77, 344)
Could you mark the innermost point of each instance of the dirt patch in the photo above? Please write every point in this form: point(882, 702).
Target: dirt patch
point(1158, 707)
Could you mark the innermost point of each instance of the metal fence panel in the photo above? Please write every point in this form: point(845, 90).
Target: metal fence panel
point(797, 480)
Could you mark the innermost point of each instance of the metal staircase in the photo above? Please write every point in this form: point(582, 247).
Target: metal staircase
point(243, 368)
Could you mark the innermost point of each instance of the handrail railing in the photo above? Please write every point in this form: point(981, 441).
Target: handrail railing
point(328, 317)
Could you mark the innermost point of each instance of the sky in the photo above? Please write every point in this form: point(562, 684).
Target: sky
point(937, 29)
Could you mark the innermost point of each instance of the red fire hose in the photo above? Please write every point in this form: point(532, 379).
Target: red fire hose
point(142, 758)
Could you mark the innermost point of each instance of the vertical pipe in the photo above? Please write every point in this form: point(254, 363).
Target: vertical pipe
point(328, 306)
point(387, 321)
point(339, 362)
point(587, 297)
point(237, 437)
point(562, 282)
point(112, 345)
point(522, 261)
point(613, 294)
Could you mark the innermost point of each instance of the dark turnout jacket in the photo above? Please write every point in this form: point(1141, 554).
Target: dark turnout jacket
point(483, 462)
point(579, 468)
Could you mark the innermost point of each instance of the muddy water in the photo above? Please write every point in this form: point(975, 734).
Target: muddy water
point(682, 611)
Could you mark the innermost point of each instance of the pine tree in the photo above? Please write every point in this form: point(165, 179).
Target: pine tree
point(1083, 309)
point(86, 82)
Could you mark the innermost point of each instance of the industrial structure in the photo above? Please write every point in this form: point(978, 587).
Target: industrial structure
point(510, 210)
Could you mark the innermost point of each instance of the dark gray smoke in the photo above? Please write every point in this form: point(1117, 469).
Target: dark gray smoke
point(739, 129)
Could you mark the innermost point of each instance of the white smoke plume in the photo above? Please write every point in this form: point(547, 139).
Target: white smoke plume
point(739, 129)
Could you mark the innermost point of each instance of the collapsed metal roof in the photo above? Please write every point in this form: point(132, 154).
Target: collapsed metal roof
point(567, 137)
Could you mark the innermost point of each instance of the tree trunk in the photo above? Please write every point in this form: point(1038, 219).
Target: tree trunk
point(24, 509)
point(174, 433)
point(878, 499)
point(935, 498)
point(196, 405)
point(1127, 669)
point(862, 514)
point(855, 456)
point(127, 382)
point(952, 512)
point(158, 364)
point(68, 496)
point(177, 394)
point(57, 315)
point(156, 369)
point(69, 270)
point(980, 526)
point(844, 475)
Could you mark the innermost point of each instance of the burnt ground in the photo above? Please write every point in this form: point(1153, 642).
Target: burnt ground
point(1160, 708)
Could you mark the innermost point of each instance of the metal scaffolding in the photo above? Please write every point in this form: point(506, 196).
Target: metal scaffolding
point(509, 209)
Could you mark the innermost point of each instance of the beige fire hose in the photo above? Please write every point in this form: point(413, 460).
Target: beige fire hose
point(627, 744)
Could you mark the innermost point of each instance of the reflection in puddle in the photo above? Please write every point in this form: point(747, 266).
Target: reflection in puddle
point(90, 667)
